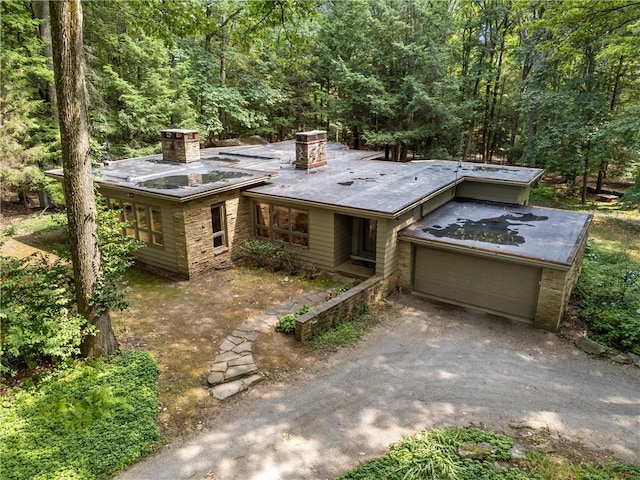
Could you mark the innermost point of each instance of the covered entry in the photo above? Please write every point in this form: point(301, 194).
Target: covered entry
point(510, 289)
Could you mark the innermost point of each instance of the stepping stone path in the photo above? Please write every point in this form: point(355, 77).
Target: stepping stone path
point(234, 368)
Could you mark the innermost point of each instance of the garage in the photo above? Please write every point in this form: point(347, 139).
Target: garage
point(510, 289)
point(516, 261)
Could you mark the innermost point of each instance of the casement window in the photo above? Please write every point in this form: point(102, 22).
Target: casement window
point(219, 227)
point(282, 224)
point(144, 222)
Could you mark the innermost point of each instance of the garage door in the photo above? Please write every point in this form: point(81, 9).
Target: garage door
point(495, 285)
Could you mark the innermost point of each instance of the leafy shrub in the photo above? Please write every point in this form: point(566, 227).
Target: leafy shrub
point(434, 455)
point(343, 288)
point(543, 194)
point(287, 324)
point(85, 422)
point(275, 257)
point(271, 256)
point(344, 331)
point(631, 199)
point(609, 293)
point(37, 313)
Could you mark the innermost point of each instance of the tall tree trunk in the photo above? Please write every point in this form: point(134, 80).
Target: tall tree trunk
point(585, 175)
point(68, 55)
point(602, 171)
point(44, 31)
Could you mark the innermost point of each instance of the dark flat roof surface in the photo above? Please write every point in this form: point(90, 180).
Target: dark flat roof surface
point(535, 233)
point(351, 179)
point(175, 180)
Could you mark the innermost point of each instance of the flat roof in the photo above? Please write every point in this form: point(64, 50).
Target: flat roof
point(530, 233)
point(351, 179)
point(175, 180)
point(356, 180)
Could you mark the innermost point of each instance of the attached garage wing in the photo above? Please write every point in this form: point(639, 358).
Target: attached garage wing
point(506, 288)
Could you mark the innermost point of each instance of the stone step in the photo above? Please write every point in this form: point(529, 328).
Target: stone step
point(226, 390)
point(219, 376)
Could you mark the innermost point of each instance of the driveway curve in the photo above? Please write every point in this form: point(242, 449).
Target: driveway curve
point(431, 365)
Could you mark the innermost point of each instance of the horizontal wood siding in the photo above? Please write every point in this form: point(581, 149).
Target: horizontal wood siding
point(437, 201)
point(387, 243)
point(493, 192)
point(321, 239)
point(343, 232)
point(163, 257)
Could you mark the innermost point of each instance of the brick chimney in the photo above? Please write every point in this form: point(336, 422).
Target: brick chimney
point(180, 145)
point(311, 149)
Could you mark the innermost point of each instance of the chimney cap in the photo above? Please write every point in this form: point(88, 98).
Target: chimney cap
point(178, 130)
point(311, 136)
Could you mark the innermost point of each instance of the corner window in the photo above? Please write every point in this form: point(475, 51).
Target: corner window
point(282, 224)
point(143, 222)
point(218, 227)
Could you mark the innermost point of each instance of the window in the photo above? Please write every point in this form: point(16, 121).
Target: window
point(144, 222)
point(282, 224)
point(218, 227)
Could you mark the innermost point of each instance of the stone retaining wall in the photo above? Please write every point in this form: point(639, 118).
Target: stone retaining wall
point(343, 307)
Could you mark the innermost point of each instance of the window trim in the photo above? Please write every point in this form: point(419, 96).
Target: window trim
point(223, 228)
point(275, 234)
point(155, 238)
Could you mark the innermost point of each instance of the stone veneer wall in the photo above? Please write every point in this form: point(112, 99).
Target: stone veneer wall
point(184, 149)
point(343, 307)
point(311, 149)
point(405, 266)
point(194, 236)
point(555, 292)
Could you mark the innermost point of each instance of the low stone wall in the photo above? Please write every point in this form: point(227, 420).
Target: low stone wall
point(343, 307)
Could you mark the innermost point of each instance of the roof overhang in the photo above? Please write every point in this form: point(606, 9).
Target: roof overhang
point(523, 234)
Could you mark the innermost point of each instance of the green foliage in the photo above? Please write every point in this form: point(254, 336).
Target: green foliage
point(385, 62)
point(631, 199)
point(609, 292)
point(287, 324)
point(344, 331)
point(433, 455)
point(343, 288)
point(116, 257)
point(543, 194)
point(28, 134)
point(271, 256)
point(275, 257)
point(83, 422)
point(37, 312)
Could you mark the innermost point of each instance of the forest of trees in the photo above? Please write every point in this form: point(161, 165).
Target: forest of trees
point(551, 83)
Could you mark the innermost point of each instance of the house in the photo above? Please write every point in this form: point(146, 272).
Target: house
point(453, 231)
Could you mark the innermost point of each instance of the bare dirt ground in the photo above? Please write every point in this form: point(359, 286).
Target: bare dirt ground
point(182, 323)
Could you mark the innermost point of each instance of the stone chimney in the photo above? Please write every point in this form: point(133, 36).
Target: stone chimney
point(311, 149)
point(180, 145)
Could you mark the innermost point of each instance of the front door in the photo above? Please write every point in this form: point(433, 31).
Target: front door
point(366, 232)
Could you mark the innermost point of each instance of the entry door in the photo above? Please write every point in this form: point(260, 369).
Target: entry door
point(367, 230)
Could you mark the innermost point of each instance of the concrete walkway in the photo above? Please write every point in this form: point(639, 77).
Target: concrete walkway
point(234, 368)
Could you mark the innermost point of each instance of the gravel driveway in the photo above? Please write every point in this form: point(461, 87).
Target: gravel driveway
point(433, 365)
